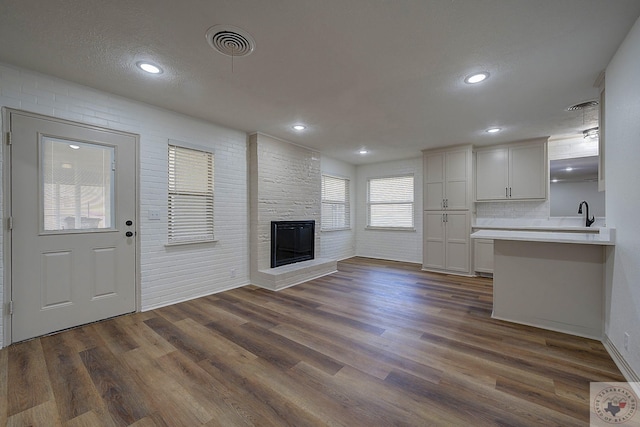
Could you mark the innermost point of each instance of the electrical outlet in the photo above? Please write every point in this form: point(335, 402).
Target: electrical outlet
point(154, 214)
point(626, 341)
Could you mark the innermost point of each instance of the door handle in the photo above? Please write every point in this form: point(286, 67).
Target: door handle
point(129, 234)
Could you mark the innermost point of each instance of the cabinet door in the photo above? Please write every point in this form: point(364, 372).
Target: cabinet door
point(434, 240)
point(492, 176)
point(483, 255)
point(434, 170)
point(527, 172)
point(457, 241)
point(457, 177)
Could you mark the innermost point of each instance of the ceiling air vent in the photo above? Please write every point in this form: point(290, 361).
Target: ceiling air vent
point(583, 105)
point(229, 40)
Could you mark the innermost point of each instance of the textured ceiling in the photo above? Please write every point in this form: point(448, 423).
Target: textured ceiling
point(385, 75)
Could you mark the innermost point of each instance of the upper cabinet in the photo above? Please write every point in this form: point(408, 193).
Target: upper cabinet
point(447, 175)
point(512, 172)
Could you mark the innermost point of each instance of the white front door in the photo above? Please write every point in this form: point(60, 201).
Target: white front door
point(73, 209)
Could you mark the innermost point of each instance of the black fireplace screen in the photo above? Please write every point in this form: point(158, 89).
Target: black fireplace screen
point(291, 241)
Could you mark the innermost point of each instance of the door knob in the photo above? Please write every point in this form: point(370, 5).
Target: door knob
point(128, 234)
point(129, 222)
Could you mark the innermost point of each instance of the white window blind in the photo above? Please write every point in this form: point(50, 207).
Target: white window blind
point(390, 202)
point(336, 212)
point(190, 195)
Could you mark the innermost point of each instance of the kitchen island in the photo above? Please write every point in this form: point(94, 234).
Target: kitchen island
point(552, 280)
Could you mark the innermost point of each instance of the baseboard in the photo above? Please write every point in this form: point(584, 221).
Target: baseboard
point(189, 298)
point(627, 371)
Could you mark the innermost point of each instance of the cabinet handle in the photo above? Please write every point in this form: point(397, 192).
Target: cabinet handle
point(506, 192)
point(509, 192)
point(446, 217)
point(446, 203)
point(442, 217)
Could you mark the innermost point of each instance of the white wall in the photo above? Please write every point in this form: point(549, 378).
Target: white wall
point(387, 244)
point(622, 160)
point(168, 274)
point(566, 196)
point(340, 244)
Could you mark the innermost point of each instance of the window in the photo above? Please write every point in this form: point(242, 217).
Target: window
point(390, 202)
point(77, 185)
point(190, 195)
point(335, 203)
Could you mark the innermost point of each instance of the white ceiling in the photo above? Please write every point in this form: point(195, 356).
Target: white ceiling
point(381, 74)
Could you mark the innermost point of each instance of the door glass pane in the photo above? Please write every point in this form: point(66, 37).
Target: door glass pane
point(77, 183)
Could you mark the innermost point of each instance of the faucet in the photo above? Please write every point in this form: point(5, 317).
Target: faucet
point(588, 221)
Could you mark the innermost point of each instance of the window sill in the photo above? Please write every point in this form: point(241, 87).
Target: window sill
point(335, 229)
point(201, 242)
point(390, 228)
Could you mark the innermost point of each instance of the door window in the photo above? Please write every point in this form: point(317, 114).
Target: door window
point(77, 185)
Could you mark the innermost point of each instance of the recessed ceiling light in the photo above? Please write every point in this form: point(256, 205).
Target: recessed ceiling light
point(75, 147)
point(363, 151)
point(494, 130)
point(299, 127)
point(554, 180)
point(149, 67)
point(67, 166)
point(476, 78)
point(568, 168)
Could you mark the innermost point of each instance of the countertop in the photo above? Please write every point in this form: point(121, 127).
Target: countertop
point(604, 236)
point(568, 224)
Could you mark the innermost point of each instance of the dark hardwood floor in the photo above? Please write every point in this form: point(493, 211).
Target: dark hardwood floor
point(377, 344)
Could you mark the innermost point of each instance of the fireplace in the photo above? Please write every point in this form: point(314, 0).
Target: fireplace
point(291, 241)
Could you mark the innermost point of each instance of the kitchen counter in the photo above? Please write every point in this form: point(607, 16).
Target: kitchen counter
point(567, 224)
point(603, 236)
point(548, 279)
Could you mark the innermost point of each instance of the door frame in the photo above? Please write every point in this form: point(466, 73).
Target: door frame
point(6, 210)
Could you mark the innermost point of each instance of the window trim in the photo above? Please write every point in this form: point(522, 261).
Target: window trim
point(211, 204)
point(412, 203)
point(346, 203)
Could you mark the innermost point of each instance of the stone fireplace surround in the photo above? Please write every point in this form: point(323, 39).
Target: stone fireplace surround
point(284, 185)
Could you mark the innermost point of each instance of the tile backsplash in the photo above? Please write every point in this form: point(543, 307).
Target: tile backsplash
point(513, 209)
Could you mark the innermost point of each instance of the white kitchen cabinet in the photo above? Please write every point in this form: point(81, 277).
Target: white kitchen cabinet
point(447, 184)
point(512, 172)
point(483, 255)
point(446, 241)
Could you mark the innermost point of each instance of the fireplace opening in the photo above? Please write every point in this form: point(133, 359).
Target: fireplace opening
point(291, 241)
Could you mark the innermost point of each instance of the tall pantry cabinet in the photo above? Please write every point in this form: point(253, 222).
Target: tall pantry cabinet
point(447, 215)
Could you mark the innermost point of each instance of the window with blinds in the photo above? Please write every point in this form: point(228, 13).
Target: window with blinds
point(190, 213)
point(336, 211)
point(390, 202)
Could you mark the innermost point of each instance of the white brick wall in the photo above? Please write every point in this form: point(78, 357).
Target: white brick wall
point(168, 274)
point(285, 186)
point(340, 244)
point(385, 244)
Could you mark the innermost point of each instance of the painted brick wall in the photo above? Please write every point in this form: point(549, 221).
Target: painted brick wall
point(340, 244)
point(285, 186)
point(386, 244)
point(168, 274)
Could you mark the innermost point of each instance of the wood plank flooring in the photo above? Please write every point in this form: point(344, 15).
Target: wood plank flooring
point(379, 343)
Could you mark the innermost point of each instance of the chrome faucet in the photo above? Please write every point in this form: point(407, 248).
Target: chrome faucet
point(588, 221)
